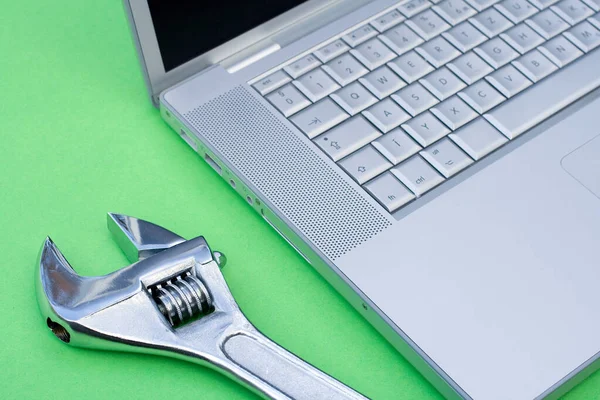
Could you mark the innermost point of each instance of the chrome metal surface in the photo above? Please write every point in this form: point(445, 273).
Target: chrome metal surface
point(174, 301)
point(220, 259)
point(140, 239)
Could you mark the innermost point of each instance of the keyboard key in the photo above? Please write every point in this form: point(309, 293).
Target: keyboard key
point(438, 51)
point(347, 137)
point(547, 97)
point(595, 20)
point(547, 24)
point(454, 112)
point(427, 24)
point(365, 164)
point(410, 66)
point(382, 82)
point(417, 175)
point(345, 69)
point(534, 65)
point(302, 66)
point(542, 4)
point(560, 51)
point(496, 52)
point(481, 5)
point(593, 4)
point(396, 146)
point(401, 39)
point(572, 11)
point(425, 129)
point(319, 117)
point(386, 115)
point(446, 157)
point(332, 50)
point(386, 21)
point(491, 22)
point(454, 11)
point(316, 84)
point(414, 99)
point(478, 139)
point(481, 96)
point(584, 36)
point(413, 7)
point(360, 35)
point(373, 53)
point(268, 84)
point(442, 83)
point(288, 100)
point(516, 10)
point(389, 192)
point(354, 98)
point(508, 81)
point(522, 38)
point(470, 67)
point(464, 36)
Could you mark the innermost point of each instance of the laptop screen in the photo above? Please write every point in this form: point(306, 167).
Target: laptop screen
point(186, 29)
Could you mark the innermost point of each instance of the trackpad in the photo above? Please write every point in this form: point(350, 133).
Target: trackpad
point(583, 164)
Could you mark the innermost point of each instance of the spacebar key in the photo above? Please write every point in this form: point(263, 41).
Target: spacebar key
point(547, 97)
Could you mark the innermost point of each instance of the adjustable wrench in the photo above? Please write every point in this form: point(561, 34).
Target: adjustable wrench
point(172, 301)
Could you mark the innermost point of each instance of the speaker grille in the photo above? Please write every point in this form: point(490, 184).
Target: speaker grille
point(306, 190)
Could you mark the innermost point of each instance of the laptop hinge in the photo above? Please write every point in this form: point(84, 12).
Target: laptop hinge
point(243, 59)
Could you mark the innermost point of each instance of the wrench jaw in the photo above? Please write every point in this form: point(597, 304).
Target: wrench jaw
point(140, 239)
point(121, 307)
point(59, 292)
point(50, 299)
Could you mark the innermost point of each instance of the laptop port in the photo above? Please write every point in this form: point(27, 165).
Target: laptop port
point(188, 140)
point(212, 163)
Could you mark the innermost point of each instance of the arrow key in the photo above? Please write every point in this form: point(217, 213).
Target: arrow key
point(365, 164)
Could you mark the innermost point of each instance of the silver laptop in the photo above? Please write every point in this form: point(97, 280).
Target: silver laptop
point(438, 162)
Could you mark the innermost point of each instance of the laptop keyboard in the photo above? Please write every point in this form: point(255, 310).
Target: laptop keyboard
point(417, 94)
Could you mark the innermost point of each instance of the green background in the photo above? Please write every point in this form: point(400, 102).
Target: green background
point(80, 138)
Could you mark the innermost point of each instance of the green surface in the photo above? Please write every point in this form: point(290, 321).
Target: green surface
point(80, 138)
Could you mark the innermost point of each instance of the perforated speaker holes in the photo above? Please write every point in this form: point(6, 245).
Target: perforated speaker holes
point(287, 172)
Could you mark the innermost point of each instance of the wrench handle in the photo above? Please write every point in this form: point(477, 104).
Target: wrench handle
point(279, 374)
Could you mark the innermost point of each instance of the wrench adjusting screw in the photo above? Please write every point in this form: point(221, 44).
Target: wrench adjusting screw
point(181, 298)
